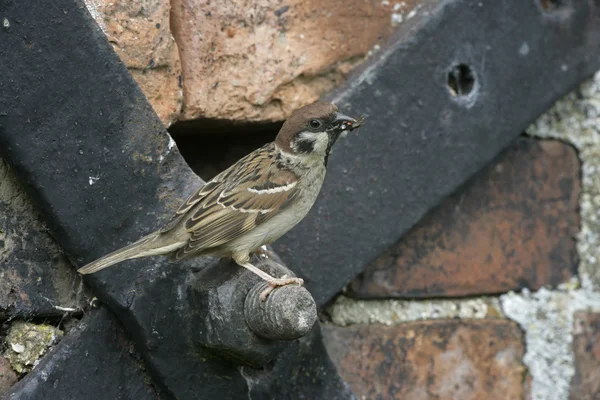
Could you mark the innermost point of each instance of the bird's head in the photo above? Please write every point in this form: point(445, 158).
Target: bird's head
point(312, 130)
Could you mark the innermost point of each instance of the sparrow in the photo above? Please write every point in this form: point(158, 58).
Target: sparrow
point(252, 203)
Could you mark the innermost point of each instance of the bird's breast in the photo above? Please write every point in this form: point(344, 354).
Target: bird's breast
point(309, 185)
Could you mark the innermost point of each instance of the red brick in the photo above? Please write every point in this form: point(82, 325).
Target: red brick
point(139, 32)
point(585, 385)
point(446, 359)
point(512, 226)
point(8, 377)
point(257, 60)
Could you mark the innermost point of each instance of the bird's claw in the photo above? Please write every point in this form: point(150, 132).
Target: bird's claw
point(277, 282)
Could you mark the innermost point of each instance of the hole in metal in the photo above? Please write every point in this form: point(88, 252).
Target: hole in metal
point(461, 80)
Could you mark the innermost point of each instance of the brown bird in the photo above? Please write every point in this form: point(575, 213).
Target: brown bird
point(252, 203)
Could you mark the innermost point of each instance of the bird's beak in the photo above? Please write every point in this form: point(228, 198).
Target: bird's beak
point(345, 123)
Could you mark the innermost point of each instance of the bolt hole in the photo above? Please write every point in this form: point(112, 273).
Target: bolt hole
point(461, 80)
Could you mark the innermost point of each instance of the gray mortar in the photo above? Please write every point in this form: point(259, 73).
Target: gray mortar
point(345, 311)
point(547, 316)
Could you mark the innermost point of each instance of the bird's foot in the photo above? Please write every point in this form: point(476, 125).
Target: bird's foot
point(272, 281)
point(277, 282)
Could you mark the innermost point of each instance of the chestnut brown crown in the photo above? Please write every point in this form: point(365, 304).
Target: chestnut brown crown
point(313, 129)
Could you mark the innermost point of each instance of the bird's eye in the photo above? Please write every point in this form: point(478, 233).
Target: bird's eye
point(315, 123)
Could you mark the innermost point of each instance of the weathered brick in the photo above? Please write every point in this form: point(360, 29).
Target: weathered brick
point(8, 377)
point(513, 225)
point(586, 346)
point(259, 60)
point(444, 359)
point(139, 32)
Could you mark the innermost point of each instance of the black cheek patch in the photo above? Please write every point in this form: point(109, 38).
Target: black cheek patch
point(333, 137)
point(304, 146)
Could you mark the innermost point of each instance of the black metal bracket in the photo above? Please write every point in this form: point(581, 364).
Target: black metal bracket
point(455, 85)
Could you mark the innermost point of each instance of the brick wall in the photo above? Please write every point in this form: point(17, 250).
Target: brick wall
point(496, 293)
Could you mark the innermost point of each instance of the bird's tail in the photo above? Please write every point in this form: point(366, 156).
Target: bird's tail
point(142, 248)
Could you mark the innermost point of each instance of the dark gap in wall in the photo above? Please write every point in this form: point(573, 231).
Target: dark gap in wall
point(210, 146)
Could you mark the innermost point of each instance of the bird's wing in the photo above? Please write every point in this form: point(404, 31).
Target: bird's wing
point(216, 184)
point(236, 201)
point(189, 203)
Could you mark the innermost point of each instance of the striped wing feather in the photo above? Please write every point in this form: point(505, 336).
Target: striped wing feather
point(247, 194)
